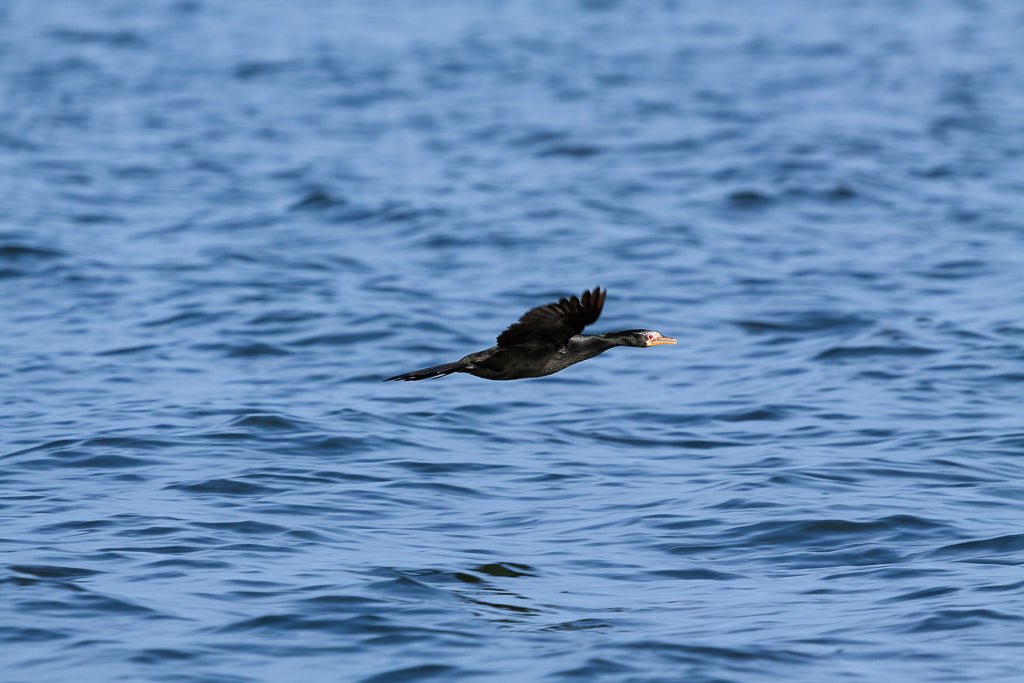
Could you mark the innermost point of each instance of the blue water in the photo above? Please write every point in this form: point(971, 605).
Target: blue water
point(224, 223)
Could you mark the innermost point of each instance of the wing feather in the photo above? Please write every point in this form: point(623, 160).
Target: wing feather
point(556, 322)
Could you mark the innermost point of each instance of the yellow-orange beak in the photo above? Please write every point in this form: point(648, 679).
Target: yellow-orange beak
point(661, 340)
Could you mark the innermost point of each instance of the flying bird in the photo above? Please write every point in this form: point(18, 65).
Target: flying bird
point(545, 340)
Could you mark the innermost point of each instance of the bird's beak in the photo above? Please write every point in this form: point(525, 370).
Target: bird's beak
point(661, 340)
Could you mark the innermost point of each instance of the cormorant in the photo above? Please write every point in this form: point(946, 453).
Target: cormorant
point(545, 340)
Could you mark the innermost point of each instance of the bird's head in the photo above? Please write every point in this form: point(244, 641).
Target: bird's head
point(641, 338)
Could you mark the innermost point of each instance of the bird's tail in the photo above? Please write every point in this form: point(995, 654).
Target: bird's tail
point(427, 373)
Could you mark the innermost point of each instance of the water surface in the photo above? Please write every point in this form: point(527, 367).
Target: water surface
point(224, 223)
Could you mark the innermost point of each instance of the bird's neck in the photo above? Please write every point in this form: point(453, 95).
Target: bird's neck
point(598, 343)
point(617, 338)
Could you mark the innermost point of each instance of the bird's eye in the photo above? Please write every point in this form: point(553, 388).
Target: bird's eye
point(650, 335)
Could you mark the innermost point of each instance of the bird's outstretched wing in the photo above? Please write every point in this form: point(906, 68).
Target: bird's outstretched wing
point(556, 323)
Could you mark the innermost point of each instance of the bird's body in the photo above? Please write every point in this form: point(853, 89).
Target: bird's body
point(545, 340)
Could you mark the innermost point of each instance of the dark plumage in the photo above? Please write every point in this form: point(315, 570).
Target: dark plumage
point(545, 340)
